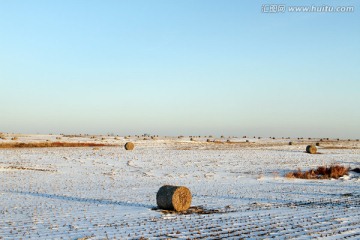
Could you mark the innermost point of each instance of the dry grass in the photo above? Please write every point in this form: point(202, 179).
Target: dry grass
point(322, 172)
point(29, 168)
point(50, 144)
point(340, 147)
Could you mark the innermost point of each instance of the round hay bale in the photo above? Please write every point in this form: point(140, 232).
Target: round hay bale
point(311, 149)
point(228, 141)
point(290, 143)
point(208, 140)
point(129, 146)
point(317, 144)
point(176, 198)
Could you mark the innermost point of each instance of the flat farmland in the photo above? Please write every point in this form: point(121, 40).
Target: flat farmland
point(238, 188)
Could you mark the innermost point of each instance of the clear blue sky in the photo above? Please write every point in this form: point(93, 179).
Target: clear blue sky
point(178, 67)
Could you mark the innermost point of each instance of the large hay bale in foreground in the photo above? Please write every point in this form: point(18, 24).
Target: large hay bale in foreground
point(176, 198)
point(311, 149)
point(129, 146)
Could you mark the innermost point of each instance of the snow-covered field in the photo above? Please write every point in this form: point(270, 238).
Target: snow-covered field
point(110, 193)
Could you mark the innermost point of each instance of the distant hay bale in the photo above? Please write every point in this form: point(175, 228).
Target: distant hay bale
point(357, 140)
point(247, 141)
point(228, 141)
point(129, 146)
point(317, 144)
point(290, 143)
point(208, 140)
point(192, 139)
point(311, 149)
point(14, 138)
point(176, 198)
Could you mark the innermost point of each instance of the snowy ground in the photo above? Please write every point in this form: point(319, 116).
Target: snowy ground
point(109, 193)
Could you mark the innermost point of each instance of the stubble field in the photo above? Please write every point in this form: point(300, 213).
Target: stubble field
point(239, 189)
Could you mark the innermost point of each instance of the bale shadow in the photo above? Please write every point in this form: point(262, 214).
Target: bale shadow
point(79, 199)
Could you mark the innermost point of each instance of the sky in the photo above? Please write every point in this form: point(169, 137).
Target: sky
point(179, 67)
